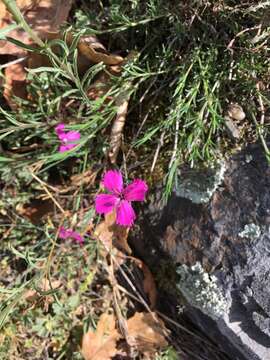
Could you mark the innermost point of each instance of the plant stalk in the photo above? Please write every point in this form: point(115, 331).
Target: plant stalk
point(18, 17)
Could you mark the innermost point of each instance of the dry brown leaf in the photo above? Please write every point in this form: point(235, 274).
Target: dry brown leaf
point(92, 49)
point(41, 15)
point(119, 122)
point(111, 234)
point(15, 84)
point(149, 284)
point(146, 333)
point(117, 128)
point(36, 60)
point(101, 345)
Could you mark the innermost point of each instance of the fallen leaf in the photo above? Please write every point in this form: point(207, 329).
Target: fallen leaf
point(111, 234)
point(36, 60)
point(149, 284)
point(42, 15)
point(117, 128)
point(146, 333)
point(92, 49)
point(101, 345)
point(121, 102)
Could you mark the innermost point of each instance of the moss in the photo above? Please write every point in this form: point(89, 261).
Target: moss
point(201, 290)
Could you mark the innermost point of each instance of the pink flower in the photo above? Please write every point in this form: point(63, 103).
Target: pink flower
point(120, 198)
point(68, 138)
point(70, 234)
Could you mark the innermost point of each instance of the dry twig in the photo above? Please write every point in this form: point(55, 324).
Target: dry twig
point(160, 144)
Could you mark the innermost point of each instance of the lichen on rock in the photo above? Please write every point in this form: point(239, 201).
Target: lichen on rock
point(201, 290)
point(251, 231)
point(199, 186)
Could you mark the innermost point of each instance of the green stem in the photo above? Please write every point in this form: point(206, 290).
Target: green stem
point(259, 131)
point(18, 17)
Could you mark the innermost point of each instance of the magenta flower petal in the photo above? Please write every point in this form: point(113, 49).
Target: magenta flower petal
point(63, 148)
point(105, 203)
point(77, 237)
point(62, 136)
point(70, 234)
point(136, 190)
point(113, 181)
point(125, 214)
point(64, 233)
point(72, 136)
point(59, 129)
point(69, 136)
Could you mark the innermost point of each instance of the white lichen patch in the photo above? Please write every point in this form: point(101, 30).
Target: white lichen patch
point(201, 290)
point(248, 158)
point(251, 231)
point(199, 186)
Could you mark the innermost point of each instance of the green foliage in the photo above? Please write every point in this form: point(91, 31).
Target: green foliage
point(56, 314)
point(180, 81)
point(168, 354)
point(193, 73)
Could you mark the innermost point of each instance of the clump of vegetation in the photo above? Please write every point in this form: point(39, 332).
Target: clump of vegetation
point(185, 65)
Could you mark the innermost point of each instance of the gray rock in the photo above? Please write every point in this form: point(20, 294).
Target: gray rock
point(219, 237)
